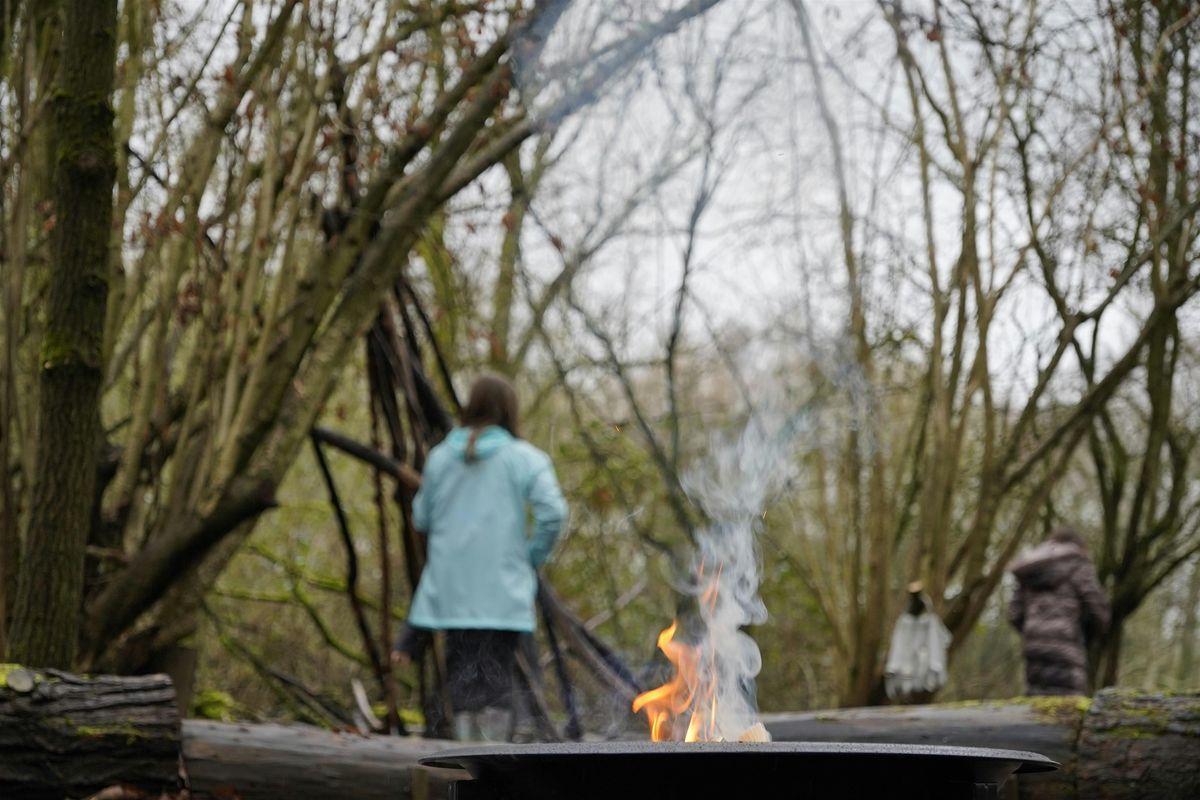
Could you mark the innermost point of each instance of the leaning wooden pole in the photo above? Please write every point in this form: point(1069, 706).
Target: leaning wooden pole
point(378, 659)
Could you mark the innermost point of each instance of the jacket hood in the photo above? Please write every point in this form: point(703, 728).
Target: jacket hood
point(1048, 564)
point(490, 441)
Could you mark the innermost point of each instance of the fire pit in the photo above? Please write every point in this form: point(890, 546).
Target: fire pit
point(659, 771)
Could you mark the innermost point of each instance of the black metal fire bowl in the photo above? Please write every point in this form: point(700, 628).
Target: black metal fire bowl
point(732, 771)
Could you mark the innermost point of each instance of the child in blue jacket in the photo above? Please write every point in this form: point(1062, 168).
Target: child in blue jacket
point(480, 578)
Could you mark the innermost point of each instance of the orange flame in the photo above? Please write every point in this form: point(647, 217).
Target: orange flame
point(689, 694)
point(673, 698)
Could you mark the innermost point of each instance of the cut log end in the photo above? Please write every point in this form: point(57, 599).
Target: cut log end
point(19, 680)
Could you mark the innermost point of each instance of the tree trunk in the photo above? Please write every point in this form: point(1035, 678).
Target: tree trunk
point(1108, 662)
point(45, 626)
point(1185, 676)
point(61, 734)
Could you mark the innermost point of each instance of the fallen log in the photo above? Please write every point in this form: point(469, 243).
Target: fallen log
point(67, 735)
point(64, 735)
point(1120, 745)
point(1117, 746)
point(299, 762)
point(1139, 747)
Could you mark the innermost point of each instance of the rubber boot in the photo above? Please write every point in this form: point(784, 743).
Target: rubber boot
point(494, 724)
point(466, 727)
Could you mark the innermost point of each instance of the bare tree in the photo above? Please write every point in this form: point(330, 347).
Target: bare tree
point(261, 229)
point(1158, 529)
point(965, 478)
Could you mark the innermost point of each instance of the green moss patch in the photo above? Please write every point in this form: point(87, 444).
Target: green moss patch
point(1064, 709)
point(214, 704)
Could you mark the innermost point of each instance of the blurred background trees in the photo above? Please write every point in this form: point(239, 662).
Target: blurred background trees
point(957, 239)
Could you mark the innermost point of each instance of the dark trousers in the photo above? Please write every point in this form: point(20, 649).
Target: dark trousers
point(480, 664)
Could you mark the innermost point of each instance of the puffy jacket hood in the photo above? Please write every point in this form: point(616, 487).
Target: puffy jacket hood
point(490, 441)
point(1048, 564)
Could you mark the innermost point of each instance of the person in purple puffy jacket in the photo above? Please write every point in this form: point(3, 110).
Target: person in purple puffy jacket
point(1059, 607)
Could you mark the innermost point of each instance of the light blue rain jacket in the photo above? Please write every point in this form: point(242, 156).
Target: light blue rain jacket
point(482, 565)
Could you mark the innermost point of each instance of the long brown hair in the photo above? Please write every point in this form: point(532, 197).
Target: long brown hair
point(493, 401)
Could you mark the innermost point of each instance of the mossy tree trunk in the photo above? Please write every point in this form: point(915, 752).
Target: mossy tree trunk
point(45, 626)
point(28, 59)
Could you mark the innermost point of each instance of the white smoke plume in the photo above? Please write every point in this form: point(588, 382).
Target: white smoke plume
point(733, 486)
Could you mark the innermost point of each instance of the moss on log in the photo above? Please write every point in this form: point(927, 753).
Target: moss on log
point(71, 735)
point(1140, 746)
